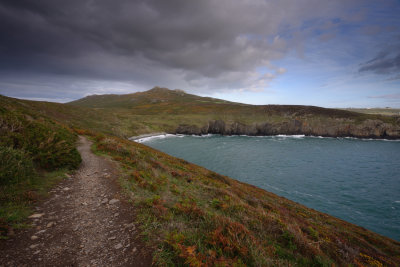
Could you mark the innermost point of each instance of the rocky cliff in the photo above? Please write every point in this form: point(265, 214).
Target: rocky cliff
point(328, 128)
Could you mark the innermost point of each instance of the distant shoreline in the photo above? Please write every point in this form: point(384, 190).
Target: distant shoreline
point(144, 137)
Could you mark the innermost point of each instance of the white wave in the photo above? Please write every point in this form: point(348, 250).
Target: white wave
point(320, 137)
point(202, 136)
point(304, 194)
point(397, 201)
point(369, 139)
point(280, 136)
point(274, 187)
point(291, 136)
point(161, 136)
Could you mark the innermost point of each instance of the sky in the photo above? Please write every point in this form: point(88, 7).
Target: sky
point(342, 53)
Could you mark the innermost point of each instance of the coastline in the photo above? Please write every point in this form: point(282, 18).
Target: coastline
point(136, 137)
point(228, 142)
point(146, 137)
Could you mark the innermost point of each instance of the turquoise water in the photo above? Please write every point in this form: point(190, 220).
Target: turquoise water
point(355, 180)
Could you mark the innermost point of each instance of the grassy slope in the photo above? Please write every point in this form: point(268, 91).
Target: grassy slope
point(35, 152)
point(197, 217)
point(163, 110)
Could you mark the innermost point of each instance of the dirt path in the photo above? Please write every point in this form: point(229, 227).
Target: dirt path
point(85, 222)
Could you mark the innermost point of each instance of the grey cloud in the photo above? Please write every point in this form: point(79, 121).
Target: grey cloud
point(208, 44)
point(386, 62)
point(388, 96)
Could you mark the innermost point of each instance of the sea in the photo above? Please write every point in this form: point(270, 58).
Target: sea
point(357, 180)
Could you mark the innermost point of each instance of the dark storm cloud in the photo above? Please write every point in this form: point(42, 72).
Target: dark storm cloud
point(177, 43)
point(66, 36)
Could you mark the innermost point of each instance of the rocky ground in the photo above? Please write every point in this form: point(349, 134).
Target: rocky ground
point(85, 222)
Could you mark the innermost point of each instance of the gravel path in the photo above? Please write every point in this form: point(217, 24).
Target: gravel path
point(85, 222)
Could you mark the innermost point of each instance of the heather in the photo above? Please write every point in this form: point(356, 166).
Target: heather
point(199, 218)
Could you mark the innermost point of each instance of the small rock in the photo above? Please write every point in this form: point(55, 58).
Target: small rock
point(41, 232)
point(33, 246)
point(118, 246)
point(81, 246)
point(36, 252)
point(112, 238)
point(113, 201)
point(105, 200)
point(116, 214)
point(10, 232)
point(34, 237)
point(76, 228)
point(134, 250)
point(67, 189)
point(36, 215)
point(127, 246)
point(50, 224)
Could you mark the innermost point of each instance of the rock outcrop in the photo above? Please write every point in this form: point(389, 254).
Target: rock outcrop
point(328, 128)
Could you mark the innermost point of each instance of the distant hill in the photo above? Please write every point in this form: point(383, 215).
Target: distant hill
point(166, 100)
point(175, 111)
point(381, 111)
point(156, 95)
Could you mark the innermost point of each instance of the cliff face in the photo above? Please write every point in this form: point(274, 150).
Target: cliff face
point(331, 128)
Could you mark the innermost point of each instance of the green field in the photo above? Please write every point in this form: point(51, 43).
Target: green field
point(378, 111)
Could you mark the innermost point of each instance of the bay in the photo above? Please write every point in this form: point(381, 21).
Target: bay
point(353, 179)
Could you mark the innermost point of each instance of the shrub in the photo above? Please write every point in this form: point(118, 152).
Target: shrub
point(16, 166)
point(51, 145)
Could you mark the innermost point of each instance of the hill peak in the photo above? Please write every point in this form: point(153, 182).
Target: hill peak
point(158, 89)
point(153, 96)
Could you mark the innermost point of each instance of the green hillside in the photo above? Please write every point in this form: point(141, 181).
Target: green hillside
point(175, 111)
point(156, 95)
point(34, 153)
point(189, 215)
